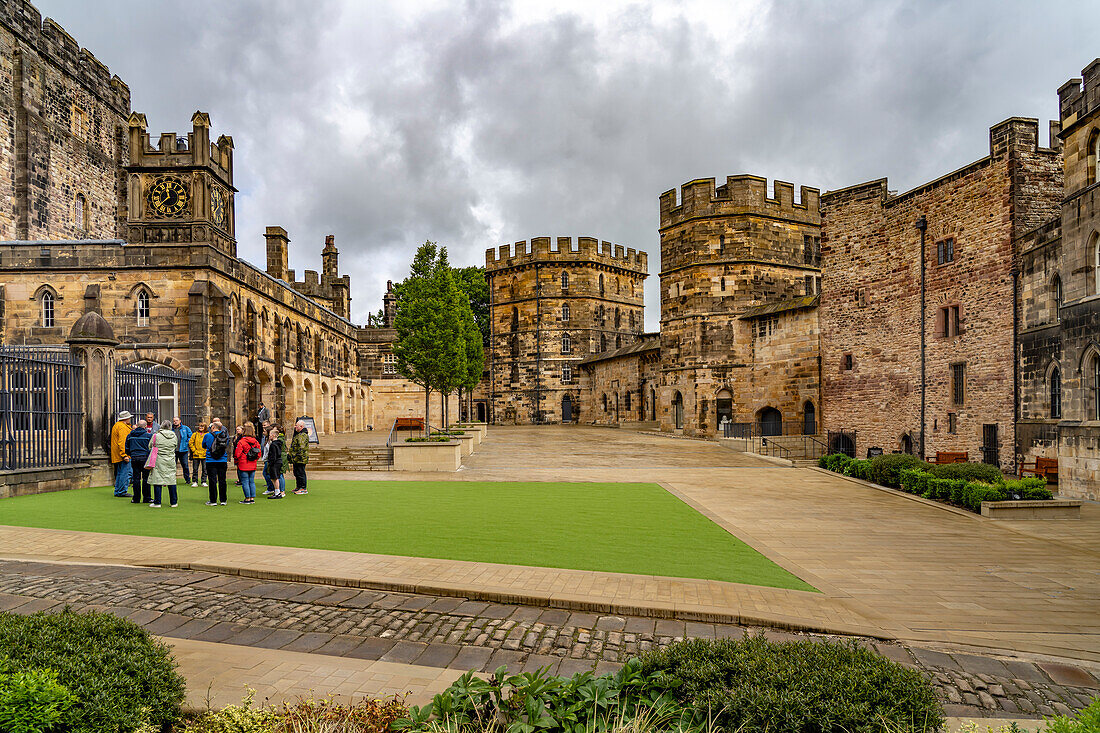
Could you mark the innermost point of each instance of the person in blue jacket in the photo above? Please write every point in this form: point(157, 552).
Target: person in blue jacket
point(137, 447)
point(216, 443)
point(183, 452)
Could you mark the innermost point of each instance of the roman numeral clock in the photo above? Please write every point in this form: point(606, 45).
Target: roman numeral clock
point(180, 191)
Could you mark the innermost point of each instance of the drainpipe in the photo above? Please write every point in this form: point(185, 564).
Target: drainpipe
point(922, 226)
point(1015, 360)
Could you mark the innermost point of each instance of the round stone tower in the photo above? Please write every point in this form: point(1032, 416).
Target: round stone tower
point(728, 252)
point(550, 307)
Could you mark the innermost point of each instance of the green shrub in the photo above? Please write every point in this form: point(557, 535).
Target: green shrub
point(32, 700)
point(858, 469)
point(1028, 488)
point(943, 489)
point(834, 462)
point(913, 481)
point(885, 469)
point(983, 472)
point(751, 684)
point(119, 676)
point(973, 493)
point(1086, 721)
point(532, 701)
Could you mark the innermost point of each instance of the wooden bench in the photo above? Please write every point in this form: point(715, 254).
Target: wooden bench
point(943, 457)
point(1046, 467)
point(409, 423)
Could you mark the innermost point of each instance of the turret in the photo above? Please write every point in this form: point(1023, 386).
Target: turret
point(277, 253)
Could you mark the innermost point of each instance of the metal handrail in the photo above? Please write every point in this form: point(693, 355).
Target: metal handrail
point(389, 438)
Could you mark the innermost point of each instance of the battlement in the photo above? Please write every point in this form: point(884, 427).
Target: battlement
point(744, 194)
point(53, 44)
point(1078, 97)
point(173, 151)
point(563, 249)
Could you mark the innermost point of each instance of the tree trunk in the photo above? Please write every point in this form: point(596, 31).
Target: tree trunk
point(427, 408)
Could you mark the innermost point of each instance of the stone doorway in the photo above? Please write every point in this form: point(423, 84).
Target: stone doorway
point(566, 409)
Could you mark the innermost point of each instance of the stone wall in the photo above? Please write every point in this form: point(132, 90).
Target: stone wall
point(871, 298)
point(621, 385)
point(725, 250)
point(28, 481)
point(62, 122)
point(542, 326)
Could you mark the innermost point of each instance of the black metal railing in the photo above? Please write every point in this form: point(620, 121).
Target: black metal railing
point(41, 407)
point(842, 441)
point(158, 389)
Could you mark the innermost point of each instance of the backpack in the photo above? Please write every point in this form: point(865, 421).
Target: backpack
point(221, 443)
point(253, 453)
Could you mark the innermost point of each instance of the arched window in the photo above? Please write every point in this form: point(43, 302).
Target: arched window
point(564, 280)
point(80, 212)
point(1055, 394)
point(1096, 263)
point(809, 419)
point(1056, 292)
point(1095, 388)
point(565, 311)
point(47, 309)
point(566, 344)
point(143, 308)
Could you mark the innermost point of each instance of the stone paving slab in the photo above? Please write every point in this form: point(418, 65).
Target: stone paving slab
point(395, 630)
point(224, 671)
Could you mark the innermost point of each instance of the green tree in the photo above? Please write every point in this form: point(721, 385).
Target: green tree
point(451, 349)
point(420, 324)
point(471, 280)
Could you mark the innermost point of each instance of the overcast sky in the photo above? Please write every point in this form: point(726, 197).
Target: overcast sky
point(482, 123)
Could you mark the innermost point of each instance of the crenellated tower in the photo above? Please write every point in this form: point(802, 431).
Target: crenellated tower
point(552, 304)
point(180, 191)
point(731, 254)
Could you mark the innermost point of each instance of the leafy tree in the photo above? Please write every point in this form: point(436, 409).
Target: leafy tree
point(452, 349)
point(419, 323)
point(471, 280)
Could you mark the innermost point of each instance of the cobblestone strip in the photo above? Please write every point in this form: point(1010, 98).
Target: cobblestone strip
point(457, 632)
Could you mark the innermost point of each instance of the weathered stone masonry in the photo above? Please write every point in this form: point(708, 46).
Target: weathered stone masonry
point(871, 300)
point(549, 309)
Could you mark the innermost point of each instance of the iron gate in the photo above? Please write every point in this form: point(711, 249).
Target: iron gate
point(41, 407)
point(145, 387)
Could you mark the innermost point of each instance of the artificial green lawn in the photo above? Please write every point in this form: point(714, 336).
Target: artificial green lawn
point(625, 528)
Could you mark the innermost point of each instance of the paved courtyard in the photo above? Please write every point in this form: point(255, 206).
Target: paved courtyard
point(996, 610)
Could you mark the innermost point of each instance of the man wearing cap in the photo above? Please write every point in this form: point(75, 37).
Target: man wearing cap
point(119, 460)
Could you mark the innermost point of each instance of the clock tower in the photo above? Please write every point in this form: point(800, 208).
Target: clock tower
point(181, 191)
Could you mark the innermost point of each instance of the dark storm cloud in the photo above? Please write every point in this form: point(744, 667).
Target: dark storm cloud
point(481, 123)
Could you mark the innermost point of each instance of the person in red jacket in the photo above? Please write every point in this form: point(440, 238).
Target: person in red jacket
point(245, 454)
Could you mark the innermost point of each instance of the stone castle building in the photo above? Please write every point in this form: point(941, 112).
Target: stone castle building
point(1059, 306)
point(740, 273)
point(551, 307)
point(126, 251)
point(917, 301)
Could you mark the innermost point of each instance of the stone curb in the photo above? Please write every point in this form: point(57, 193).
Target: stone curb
point(678, 611)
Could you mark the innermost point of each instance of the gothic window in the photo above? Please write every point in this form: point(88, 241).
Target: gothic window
point(566, 344)
point(567, 373)
point(1096, 263)
point(1056, 291)
point(565, 311)
point(1055, 394)
point(1093, 157)
point(564, 280)
point(1095, 388)
point(143, 308)
point(47, 309)
point(80, 212)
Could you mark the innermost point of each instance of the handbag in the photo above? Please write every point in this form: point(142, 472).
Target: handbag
point(152, 461)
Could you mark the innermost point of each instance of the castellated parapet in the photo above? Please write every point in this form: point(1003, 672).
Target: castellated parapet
point(54, 45)
point(743, 194)
point(1077, 97)
point(562, 249)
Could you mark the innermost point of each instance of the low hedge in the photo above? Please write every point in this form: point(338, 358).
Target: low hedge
point(983, 472)
point(751, 684)
point(971, 494)
point(120, 677)
point(32, 700)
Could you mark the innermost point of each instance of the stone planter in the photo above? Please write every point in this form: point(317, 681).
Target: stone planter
point(427, 456)
point(469, 432)
point(1054, 509)
point(469, 441)
point(480, 427)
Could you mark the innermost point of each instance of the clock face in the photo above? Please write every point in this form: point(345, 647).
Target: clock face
point(168, 196)
point(219, 205)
